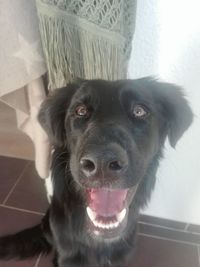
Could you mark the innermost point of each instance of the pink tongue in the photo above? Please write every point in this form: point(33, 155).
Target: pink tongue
point(107, 202)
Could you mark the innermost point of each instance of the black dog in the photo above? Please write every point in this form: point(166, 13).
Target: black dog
point(108, 139)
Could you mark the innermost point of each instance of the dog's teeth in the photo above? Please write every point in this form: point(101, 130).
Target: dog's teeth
point(105, 225)
point(121, 215)
point(92, 215)
point(116, 224)
point(96, 223)
point(113, 225)
point(102, 225)
point(109, 225)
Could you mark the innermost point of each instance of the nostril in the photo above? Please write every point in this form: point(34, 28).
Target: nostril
point(87, 165)
point(115, 165)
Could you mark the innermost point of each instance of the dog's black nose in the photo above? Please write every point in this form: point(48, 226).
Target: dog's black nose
point(107, 162)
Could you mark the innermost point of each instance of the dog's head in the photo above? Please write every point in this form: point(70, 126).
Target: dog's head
point(113, 132)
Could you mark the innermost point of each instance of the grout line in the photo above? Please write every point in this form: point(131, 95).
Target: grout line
point(22, 210)
point(193, 232)
point(13, 187)
point(198, 250)
point(169, 239)
point(186, 227)
point(160, 226)
point(38, 260)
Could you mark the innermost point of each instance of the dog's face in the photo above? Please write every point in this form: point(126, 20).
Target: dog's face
point(113, 131)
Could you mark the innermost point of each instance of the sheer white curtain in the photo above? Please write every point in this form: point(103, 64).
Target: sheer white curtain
point(21, 67)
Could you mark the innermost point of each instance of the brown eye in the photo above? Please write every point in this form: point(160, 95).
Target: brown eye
point(140, 112)
point(82, 111)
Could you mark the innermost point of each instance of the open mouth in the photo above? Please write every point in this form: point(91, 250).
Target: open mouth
point(107, 211)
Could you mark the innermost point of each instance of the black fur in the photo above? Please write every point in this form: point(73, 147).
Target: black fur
point(27, 243)
point(108, 130)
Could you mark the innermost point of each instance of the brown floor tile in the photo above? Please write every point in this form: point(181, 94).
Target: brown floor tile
point(10, 170)
point(13, 263)
point(13, 220)
point(30, 192)
point(161, 253)
point(162, 222)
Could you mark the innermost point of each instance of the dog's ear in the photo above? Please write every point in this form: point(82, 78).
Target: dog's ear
point(53, 111)
point(181, 115)
point(177, 111)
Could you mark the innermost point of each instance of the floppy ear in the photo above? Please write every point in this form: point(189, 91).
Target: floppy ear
point(176, 109)
point(181, 116)
point(53, 111)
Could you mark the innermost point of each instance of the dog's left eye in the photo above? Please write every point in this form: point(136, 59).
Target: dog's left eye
point(140, 111)
point(82, 111)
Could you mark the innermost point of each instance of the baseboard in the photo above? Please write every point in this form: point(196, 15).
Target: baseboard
point(169, 230)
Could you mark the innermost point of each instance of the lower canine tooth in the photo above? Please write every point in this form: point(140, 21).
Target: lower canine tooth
point(121, 215)
point(92, 215)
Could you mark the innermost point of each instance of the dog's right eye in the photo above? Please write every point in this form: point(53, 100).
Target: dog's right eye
point(82, 111)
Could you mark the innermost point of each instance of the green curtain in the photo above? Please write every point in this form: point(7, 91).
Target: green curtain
point(86, 38)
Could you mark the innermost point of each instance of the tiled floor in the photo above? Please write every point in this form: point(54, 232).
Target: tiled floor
point(23, 202)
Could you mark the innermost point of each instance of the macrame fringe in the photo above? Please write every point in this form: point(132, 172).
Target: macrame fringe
point(72, 51)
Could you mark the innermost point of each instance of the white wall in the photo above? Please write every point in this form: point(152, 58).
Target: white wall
point(167, 44)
